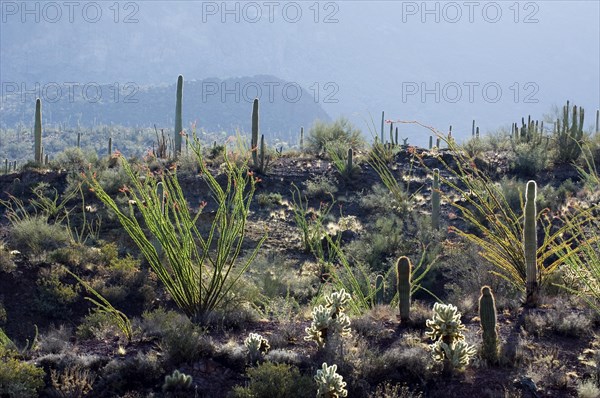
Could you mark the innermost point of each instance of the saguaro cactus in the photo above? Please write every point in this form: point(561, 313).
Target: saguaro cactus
point(382, 124)
point(178, 116)
point(37, 132)
point(403, 274)
point(301, 138)
point(435, 200)
point(530, 246)
point(254, 139)
point(487, 319)
point(109, 146)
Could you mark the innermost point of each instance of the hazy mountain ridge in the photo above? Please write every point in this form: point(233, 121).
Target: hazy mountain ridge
point(212, 104)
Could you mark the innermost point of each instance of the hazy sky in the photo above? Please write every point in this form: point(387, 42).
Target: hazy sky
point(440, 63)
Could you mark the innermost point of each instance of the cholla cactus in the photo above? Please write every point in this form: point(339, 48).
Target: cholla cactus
point(336, 301)
point(458, 353)
point(445, 323)
point(177, 381)
point(329, 320)
point(257, 347)
point(329, 383)
point(446, 330)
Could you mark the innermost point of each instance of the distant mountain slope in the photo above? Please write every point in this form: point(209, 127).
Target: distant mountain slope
point(213, 104)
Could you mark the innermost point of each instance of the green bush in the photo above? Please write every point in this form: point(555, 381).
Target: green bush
point(19, 379)
point(529, 160)
point(339, 136)
point(33, 236)
point(269, 380)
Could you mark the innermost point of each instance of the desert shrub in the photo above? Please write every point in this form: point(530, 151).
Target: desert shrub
point(269, 380)
point(269, 199)
point(529, 160)
point(55, 340)
point(97, 325)
point(72, 382)
point(55, 295)
point(339, 136)
point(33, 236)
point(73, 160)
point(388, 390)
point(180, 339)
point(18, 378)
point(138, 372)
point(320, 186)
point(7, 265)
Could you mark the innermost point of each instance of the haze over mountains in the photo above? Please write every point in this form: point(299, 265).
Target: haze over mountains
point(440, 63)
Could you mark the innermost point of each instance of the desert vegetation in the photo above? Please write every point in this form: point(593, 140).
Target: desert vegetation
point(228, 266)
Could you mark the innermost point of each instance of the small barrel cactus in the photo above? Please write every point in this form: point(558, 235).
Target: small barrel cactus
point(487, 319)
point(329, 383)
point(177, 381)
point(257, 347)
point(403, 276)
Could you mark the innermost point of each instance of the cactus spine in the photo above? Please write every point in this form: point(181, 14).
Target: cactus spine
point(37, 131)
point(487, 319)
point(435, 200)
point(403, 275)
point(530, 246)
point(379, 289)
point(254, 139)
point(178, 116)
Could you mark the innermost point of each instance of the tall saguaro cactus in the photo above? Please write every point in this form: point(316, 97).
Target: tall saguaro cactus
point(435, 200)
point(488, 321)
point(403, 274)
point(178, 116)
point(254, 139)
point(37, 132)
point(530, 245)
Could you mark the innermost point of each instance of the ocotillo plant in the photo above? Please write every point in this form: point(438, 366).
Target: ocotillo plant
point(379, 287)
point(435, 200)
point(487, 319)
point(254, 139)
point(403, 275)
point(178, 116)
point(37, 132)
point(530, 246)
